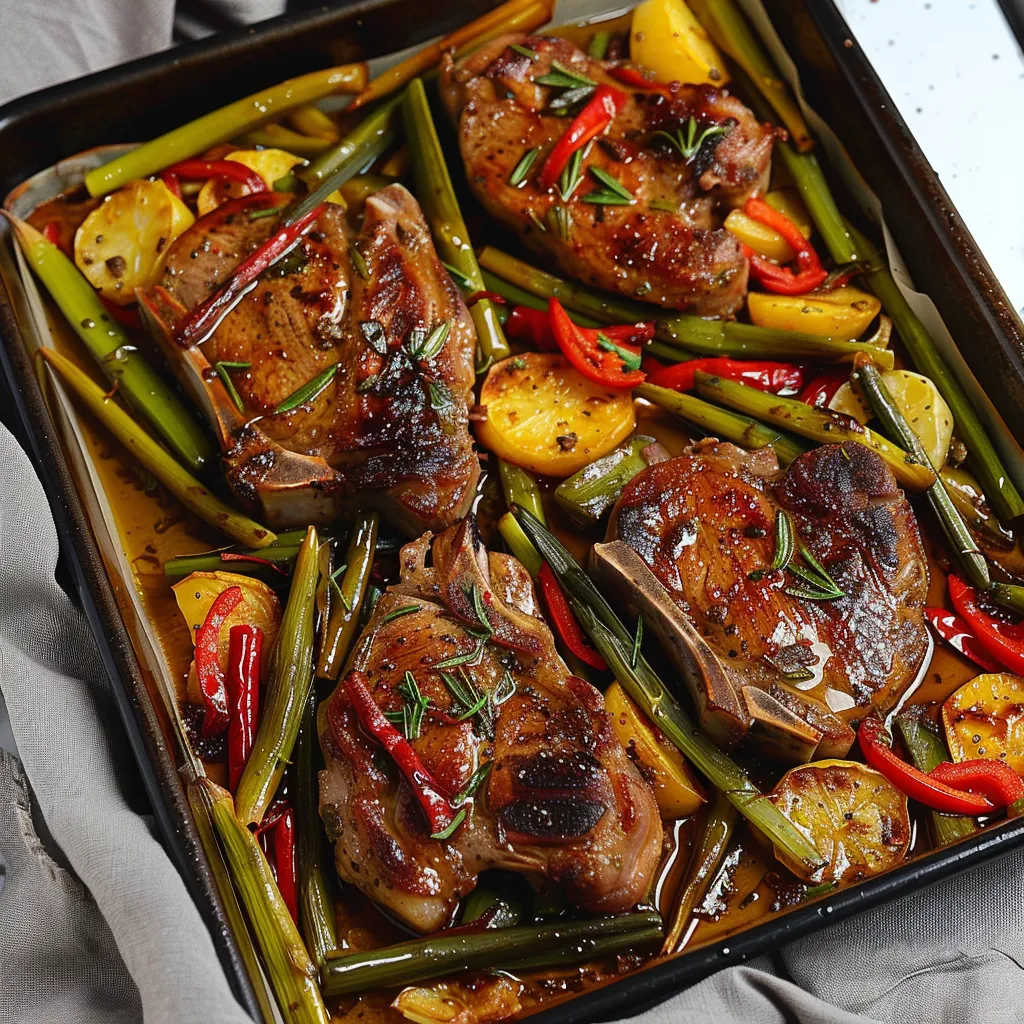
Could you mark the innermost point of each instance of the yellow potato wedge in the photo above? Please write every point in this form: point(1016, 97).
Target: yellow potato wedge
point(666, 37)
point(985, 718)
point(842, 313)
point(924, 409)
point(546, 417)
point(121, 245)
point(269, 164)
point(259, 607)
point(675, 788)
point(856, 819)
point(765, 240)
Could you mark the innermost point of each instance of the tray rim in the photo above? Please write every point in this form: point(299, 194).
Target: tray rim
point(640, 989)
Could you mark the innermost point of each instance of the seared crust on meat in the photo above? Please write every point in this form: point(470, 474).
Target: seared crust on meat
point(677, 256)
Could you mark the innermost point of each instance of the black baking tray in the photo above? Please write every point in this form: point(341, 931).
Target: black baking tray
point(141, 99)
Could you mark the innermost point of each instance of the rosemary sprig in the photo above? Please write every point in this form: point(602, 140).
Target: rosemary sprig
point(423, 347)
point(358, 262)
point(337, 586)
point(606, 197)
point(414, 707)
point(784, 544)
point(612, 184)
point(630, 359)
point(504, 690)
point(523, 51)
point(481, 611)
point(572, 175)
point(222, 369)
point(558, 219)
point(472, 703)
point(564, 102)
point(462, 798)
point(522, 169)
point(271, 211)
point(561, 77)
point(405, 609)
point(310, 390)
point(688, 145)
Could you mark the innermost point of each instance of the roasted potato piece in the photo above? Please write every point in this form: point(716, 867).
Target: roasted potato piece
point(765, 240)
point(121, 245)
point(675, 788)
point(546, 417)
point(259, 607)
point(855, 817)
point(841, 313)
point(666, 37)
point(270, 164)
point(985, 718)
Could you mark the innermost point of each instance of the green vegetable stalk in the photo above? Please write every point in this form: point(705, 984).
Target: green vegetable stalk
point(370, 137)
point(437, 197)
point(519, 545)
point(115, 354)
point(520, 488)
point(178, 480)
point(287, 690)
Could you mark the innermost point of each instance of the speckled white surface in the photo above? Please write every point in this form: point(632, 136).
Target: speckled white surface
point(956, 73)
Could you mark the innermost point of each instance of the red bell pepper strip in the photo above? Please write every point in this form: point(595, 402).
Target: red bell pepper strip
point(436, 806)
point(208, 670)
point(126, 316)
point(199, 170)
point(52, 233)
point(822, 388)
point(562, 618)
point(993, 779)
point(286, 862)
point(765, 376)
point(602, 361)
point(778, 279)
point(876, 746)
point(172, 183)
point(203, 320)
point(533, 326)
point(243, 686)
point(631, 76)
point(484, 294)
point(958, 635)
point(236, 556)
point(588, 124)
point(1003, 641)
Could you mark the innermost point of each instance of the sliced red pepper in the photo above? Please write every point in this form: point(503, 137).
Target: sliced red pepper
point(588, 124)
point(484, 294)
point(778, 279)
point(126, 316)
point(203, 320)
point(200, 170)
point(562, 618)
point(172, 182)
point(876, 746)
point(436, 806)
point(765, 376)
point(243, 686)
point(632, 76)
point(208, 670)
point(1001, 640)
point(236, 556)
point(822, 388)
point(533, 327)
point(52, 233)
point(585, 350)
point(958, 635)
point(286, 862)
point(993, 779)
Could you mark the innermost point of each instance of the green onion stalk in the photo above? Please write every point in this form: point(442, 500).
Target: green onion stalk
point(223, 124)
point(641, 682)
point(293, 975)
point(346, 597)
point(141, 386)
point(366, 141)
point(521, 489)
point(680, 336)
point(436, 194)
point(519, 948)
point(178, 480)
point(816, 424)
point(275, 136)
point(708, 857)
point(723, 424)
point(519, 545)
point(927, 750)
point(517, 296)
point(282, 556)
point(287, 690)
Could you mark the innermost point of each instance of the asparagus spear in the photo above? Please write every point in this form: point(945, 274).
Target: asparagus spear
point(718, 829)
point(520, 297)
point(599, 44)
point(518, 948)
point(965, 551)
point(287, 690)
point(816, 424)
point(275, 136)
point(223, 124)
point(681, 335)
point(280, 555)
point(292, 973)
point(723, 424)
point(642, 683)
point(520, 488)
point(519, 544)
point(121, 362)
point(310, 120)
point(347, 599)
point(437, 197)
point(368, 139)
point(182, 484)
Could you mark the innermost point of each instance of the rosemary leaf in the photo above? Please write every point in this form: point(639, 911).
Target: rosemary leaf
point(309, 390)
point(222, 369)
point(359, 263)
point(405, 609)
point(783, 540)
point(611, 183)
point(523, 51)
point(561, 77)
point(522, 169)
point(630, 360)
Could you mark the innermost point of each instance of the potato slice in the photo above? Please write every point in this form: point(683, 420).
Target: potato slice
point(920, 402)
point(666, 37)
point(841, 313)
point(675, 788)
point(546, 417)
point(121, 245)
point(985, 718)
point(259, 607)
point(856, 819)
point(765, 240)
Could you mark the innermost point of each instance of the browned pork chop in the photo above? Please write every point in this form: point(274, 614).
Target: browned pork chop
point(389, 429)
point(704, 523)
point(562, 799)
point(667, 246)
